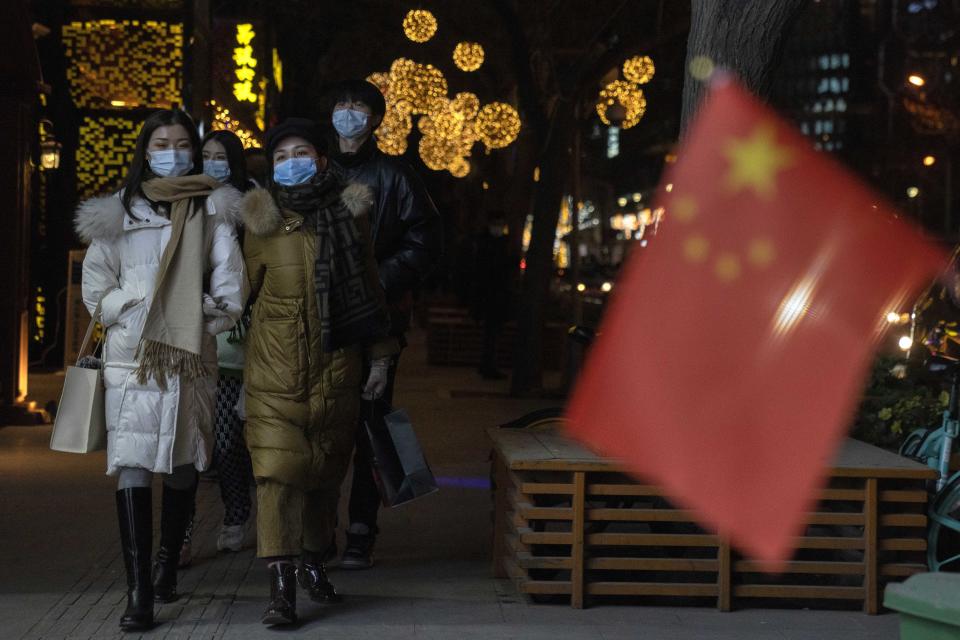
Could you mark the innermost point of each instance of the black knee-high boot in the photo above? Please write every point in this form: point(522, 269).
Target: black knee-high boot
point(135, 514)
point(174, 517)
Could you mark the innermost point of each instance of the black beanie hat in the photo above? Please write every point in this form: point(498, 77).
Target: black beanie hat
point(362, 90)
point(300, 127)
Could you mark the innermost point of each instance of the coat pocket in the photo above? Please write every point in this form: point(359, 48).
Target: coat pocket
point(344, 372)
point(277, 358)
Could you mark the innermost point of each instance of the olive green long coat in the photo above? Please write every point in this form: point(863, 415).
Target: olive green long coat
point(302, 403)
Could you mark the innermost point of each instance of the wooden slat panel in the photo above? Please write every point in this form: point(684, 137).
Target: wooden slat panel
point(514, 571)
point(918, 497)
point(901, 570)
point(545, 513)
point(653, 540)
point(836, 519)
point(528, 536)
point(651, 589)
point(724, 576)
point(529, 561)
point(541, 587)
point(806, 567)
point(623, 490)
point(513, 543)
point(639, 515)
point(903, 520)
point(903, 544)
point(859, 459)
point(653, 564)
point(850, 495)
point(797, 591)
point(577, 551)
point(827, 542)
point(871, 531)
point(546, 488)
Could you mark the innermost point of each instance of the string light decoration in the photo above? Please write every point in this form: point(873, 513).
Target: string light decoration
point(498, 125)
point(639, 69)
point(466, 105)
point(443, 123)
point(450, 127)
point(468, 56)
point(222, 120)
point(422, 86)
point(393, 131)
point(629, 95)
point(438, 153)
point(114, 63)
point(419, 25)
point(104, 151)
point(459, 168)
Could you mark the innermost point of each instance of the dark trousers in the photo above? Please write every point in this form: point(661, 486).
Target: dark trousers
point(364, 495)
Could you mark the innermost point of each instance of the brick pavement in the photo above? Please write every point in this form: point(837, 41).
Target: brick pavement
point(62, 576)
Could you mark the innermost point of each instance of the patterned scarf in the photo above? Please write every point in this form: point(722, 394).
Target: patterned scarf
point(349, 297)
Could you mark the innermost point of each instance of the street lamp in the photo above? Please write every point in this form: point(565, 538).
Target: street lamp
point(929, 161)
point(916, 80)
point(49, 147)
point(912, 192)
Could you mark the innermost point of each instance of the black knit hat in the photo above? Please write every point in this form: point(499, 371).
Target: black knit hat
point(359, 90)
point(300, 127)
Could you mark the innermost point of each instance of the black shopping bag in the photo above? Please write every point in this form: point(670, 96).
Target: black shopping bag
point(401, 471)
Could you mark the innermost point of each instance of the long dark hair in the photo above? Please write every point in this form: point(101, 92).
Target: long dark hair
point(139, 170)
point(235, 159)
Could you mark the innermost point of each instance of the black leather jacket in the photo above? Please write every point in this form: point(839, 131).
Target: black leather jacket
point(406, 226)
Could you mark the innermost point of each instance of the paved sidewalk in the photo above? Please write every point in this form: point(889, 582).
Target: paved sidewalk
point(62, 576)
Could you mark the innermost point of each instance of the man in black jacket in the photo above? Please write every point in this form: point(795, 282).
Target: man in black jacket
point(408, 241)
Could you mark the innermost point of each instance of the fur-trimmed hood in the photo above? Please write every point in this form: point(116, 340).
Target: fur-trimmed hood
point(262, 216)
point(102, 218)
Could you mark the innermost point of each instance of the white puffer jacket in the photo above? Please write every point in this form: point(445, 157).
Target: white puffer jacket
point(146, 426)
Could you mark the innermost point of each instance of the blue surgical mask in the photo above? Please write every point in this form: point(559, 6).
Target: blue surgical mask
point(294, 171)
point(170, 163)
point(218, 169)
point(350, 123)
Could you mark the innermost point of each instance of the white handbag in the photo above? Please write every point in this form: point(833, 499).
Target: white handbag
point(80, 425)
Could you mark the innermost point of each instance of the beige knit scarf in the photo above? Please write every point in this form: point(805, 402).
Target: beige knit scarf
point(171, 341)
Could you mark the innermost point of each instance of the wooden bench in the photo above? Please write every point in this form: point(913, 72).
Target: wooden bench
point(455, 338)
point(569, 522)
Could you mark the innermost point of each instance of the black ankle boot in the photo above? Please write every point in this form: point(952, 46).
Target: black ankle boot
point(135, 515)
point(283, 594)
point(174, 518)
point(312, 577)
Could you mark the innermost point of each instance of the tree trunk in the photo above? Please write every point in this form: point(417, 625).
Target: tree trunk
point(528, 356)
point(744, 37)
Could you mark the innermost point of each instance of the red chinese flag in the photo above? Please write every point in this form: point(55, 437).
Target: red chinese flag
point(734, 351)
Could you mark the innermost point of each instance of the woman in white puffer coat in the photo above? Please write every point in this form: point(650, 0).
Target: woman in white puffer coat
point(165, 266)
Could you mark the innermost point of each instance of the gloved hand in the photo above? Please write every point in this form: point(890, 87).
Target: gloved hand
point(377, 380)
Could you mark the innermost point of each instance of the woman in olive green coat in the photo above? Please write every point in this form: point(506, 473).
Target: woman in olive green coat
point(319, 321)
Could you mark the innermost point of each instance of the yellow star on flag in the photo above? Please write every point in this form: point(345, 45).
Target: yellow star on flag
point(755, 161)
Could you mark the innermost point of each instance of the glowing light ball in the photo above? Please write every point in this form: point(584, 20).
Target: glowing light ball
point(419, 25)
point(498, 125)
point(468, 56)
point(629, 95)
point(639, 69)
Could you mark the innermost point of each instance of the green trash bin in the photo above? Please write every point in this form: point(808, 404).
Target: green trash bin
point(929, 606)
